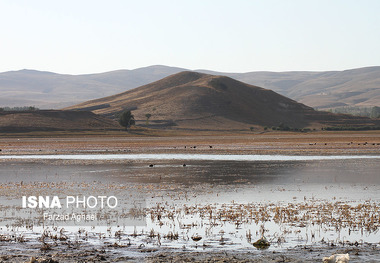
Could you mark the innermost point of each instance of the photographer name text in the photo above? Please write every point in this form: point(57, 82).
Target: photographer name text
point(70, 217)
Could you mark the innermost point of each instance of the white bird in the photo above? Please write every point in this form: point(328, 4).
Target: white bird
point(337, 258)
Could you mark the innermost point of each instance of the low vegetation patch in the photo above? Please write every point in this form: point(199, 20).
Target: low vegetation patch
point(284, 127)
point(352, 128)
point(370, 112)
point(24, 108)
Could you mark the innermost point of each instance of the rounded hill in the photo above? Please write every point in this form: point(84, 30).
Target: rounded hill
point(192, 100)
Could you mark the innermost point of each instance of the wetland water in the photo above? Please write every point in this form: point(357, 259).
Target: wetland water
point(229, 201)
point(190, 157)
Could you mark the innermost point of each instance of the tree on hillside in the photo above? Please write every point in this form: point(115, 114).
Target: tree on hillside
point(148, 115)
point(126, 119)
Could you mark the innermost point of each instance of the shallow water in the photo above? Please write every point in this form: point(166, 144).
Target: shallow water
point(218, 184)
point(193, 157)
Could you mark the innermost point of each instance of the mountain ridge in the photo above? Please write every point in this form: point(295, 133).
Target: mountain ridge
point(319, 89)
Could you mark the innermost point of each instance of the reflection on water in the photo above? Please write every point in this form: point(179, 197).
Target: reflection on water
point(197, 172)
point(226, 202)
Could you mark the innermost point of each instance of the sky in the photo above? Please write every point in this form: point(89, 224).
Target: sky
point(92, 36)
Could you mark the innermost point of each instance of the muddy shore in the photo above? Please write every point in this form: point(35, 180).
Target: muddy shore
point(313, 143)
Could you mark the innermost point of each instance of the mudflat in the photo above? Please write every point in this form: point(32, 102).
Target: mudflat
point(321, 143)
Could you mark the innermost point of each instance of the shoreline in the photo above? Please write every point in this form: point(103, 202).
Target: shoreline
point(318, 143)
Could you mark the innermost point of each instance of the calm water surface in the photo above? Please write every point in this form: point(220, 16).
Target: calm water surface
point(193, 157)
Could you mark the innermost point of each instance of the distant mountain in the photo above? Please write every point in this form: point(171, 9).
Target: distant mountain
point(51, 90)
point(323, 90)
point(192, 100)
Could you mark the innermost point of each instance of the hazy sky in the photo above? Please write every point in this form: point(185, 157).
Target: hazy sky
point(89, 36)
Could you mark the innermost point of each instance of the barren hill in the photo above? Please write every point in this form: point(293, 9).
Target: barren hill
point(53, 120)
point(193, 100)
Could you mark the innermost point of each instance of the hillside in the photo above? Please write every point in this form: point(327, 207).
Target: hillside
point(323, 90)
point(191, 100)
point(54, 120)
